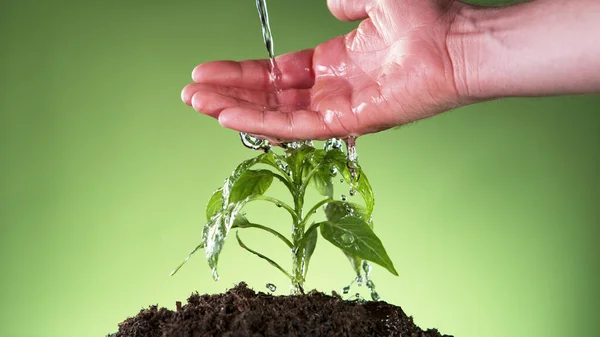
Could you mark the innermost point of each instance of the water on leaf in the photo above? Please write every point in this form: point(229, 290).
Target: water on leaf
point(347, 239)
point(272, 288)
point(343, 197)
point(346, 290)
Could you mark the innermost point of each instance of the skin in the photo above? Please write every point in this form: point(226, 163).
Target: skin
point(407, 60)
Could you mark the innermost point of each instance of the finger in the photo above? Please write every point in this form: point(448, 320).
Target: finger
point(349, 10)
point(289, 98)
point(297, 125)
point(296, 71)
point(211, 100)
point(212, 103)
point(261, 97)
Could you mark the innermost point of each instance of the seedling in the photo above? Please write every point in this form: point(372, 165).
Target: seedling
point(348, 225)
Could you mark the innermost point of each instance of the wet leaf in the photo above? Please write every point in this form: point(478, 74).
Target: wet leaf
point(362, 185)
point(250, 183)
point(321, 179)
point(239, 171)
point(309, 244)
point(215, 204)
point(336, 210)
point(215, 232)
point(299, 162)
point(353, 235)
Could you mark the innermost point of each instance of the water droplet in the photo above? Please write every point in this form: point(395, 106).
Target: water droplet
point(343, 197)
point(341, 180)
point(352, 160)
point(333, 171)
point(352, 192)
point(347, 239)
point(375, 296)
point(291, 145)
point(346, 290)
point(370, 284)
point(214, 274)
point(359, 280)
point(279, 204)
point(272, 288)
point(366, 267)
point(357, 295)
point(254, 143)
point(332, 144)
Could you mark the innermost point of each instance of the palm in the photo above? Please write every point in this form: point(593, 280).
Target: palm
point(391, 70)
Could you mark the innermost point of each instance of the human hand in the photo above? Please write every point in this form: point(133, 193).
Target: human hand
point(393, 69)
point(408, 60)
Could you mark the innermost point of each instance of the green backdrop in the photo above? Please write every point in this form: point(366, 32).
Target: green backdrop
point(490, 212)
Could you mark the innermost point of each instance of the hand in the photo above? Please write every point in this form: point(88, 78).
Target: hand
point(393, 69)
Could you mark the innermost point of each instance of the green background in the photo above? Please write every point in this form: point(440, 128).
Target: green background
point(490, 212)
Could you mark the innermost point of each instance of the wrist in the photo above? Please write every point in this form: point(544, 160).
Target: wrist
point(470, 52)
point(534, 49)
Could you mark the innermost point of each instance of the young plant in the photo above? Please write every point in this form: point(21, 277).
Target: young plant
point(348, 225)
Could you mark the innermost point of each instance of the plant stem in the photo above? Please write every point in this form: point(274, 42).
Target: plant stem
point(298, 251)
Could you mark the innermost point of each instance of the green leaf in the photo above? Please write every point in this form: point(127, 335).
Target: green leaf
point(335, 210)
point(215, 204)
point(239, 171)
point(298, 162)
point(362, 186)
point(309, 243)
point(353, 235)
point(250, 183)
point(320, 173)
point(273, 263)
point(215, 232)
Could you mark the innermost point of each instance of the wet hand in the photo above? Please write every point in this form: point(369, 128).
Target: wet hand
point(393, 69)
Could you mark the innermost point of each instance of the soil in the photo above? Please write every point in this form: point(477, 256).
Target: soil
point(243, 312)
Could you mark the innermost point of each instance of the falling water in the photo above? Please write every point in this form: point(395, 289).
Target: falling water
point(250, 141)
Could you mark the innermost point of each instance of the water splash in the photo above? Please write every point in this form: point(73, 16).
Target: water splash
point(255, 143)
point(352, 161)
point(366, 266)
point(272, 288)
point(263, 14)
point(332, 144)
point(250, 141)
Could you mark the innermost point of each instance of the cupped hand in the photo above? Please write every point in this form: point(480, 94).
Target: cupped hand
point(393, 69)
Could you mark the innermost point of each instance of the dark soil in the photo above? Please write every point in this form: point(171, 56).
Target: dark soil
point(242, 312)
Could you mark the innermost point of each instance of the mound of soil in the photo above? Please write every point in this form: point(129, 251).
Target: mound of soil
point(242, 312)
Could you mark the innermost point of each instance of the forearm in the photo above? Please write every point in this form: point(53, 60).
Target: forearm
point(545, 47)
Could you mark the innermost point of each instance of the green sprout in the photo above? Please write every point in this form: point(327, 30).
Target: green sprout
point(348, 225)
